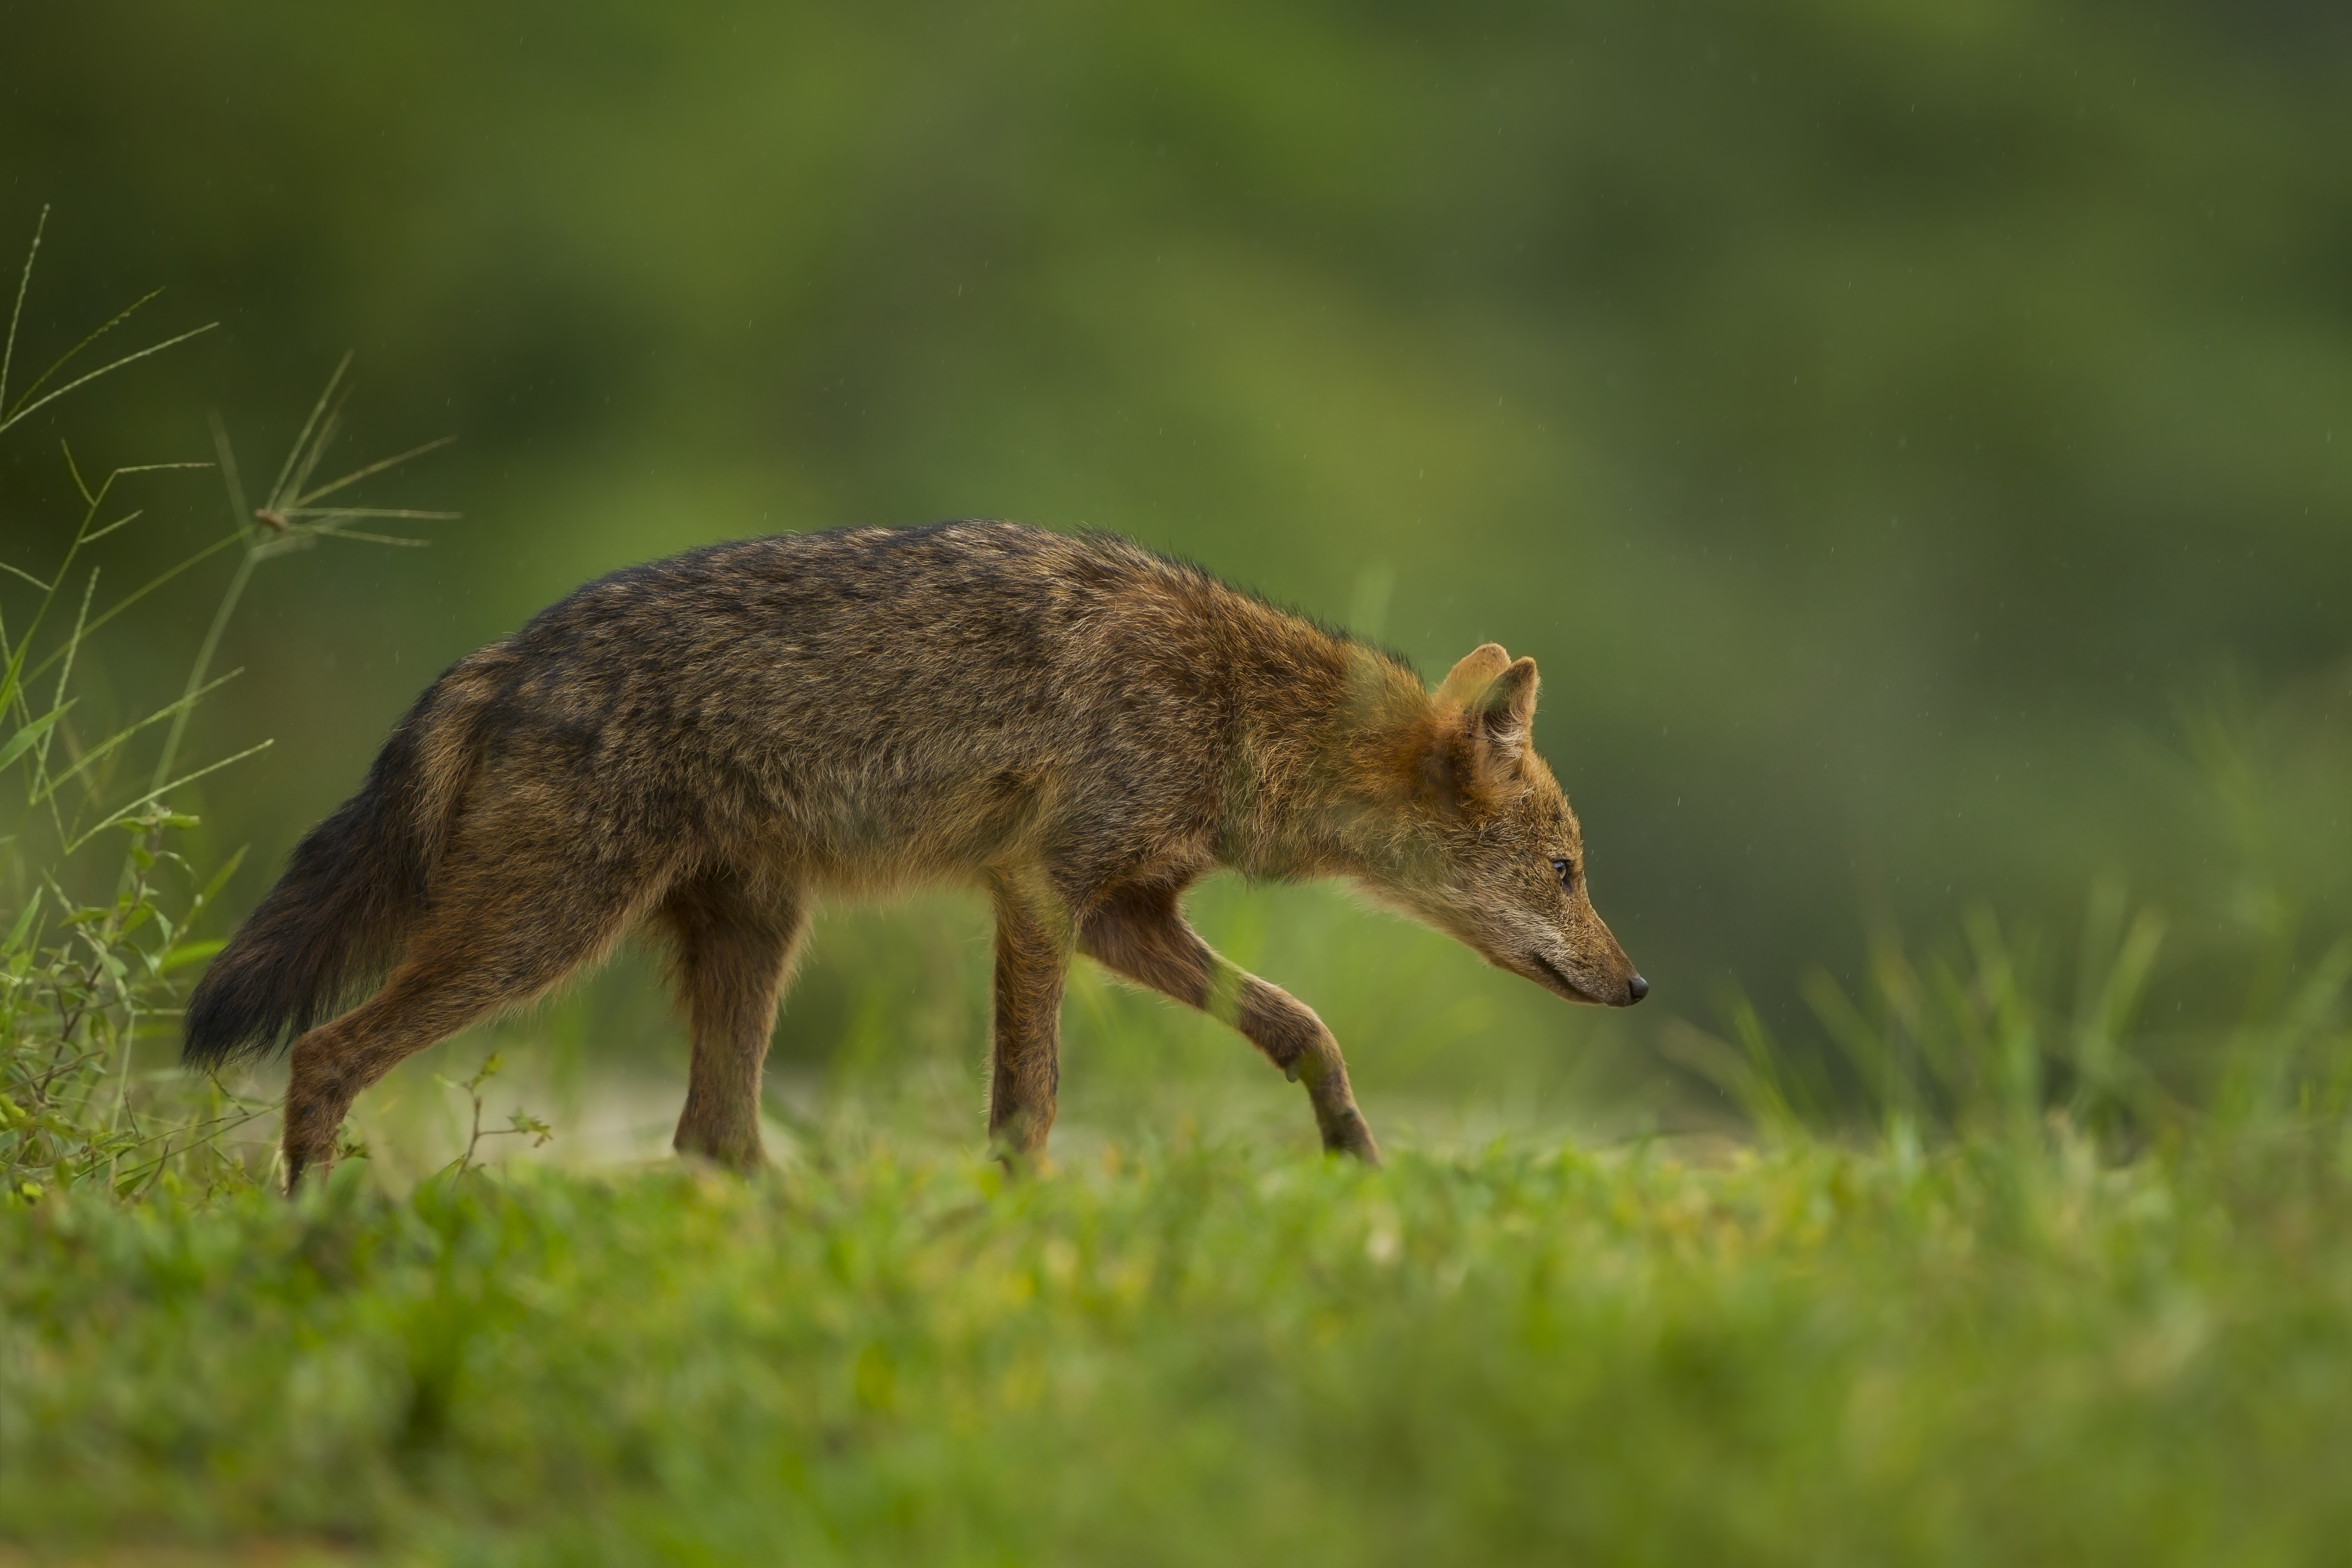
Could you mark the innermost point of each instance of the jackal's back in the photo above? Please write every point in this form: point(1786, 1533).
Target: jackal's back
point(875, 701)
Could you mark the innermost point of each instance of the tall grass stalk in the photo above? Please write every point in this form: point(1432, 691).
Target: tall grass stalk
point(102, 911)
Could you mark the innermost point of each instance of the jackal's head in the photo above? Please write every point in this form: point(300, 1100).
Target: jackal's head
point(1492, 855)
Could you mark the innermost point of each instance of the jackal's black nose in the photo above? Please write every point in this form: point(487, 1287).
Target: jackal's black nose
point(1637, 988)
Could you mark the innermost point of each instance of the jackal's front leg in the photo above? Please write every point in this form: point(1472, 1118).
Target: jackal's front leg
point(1033, 955)
point(733, 949)
point(1143, 936)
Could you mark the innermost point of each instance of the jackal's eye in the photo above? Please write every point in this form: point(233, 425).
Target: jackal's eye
point(1566, 870)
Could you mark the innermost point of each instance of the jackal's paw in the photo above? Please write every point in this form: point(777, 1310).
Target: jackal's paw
point(1349, 1134)
point(736, 1158)
point(305, 1169)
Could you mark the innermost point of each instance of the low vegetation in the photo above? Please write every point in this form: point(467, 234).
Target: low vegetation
point(99, 931)
point(1990, 1275)
point(1997, 1351)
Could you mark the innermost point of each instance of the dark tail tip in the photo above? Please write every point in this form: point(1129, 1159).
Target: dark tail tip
point(238, 1010)
point(327, 920)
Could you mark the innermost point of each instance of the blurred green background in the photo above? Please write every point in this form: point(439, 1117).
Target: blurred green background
point(1915, 441)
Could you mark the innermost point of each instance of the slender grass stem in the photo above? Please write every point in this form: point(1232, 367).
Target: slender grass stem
point(16, 312)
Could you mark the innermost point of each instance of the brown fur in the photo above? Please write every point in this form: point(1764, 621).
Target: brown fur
point(1080, 726)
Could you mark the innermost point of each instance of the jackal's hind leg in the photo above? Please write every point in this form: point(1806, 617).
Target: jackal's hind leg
point(733, 950)
point(1141, 935)
point(1033, 958)
point(504, 929)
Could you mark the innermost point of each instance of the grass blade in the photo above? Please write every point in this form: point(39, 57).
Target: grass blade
point(64, 359)
point(301, 441)
point(328, 431)
point(16, 315)
point(123, 813)
point(352, 533)
point(108, 745)
point(109, 528)
point(335, 511)
point(356, 474)
point(206, 553)
point(225, 459)
point(24, 921)
point(210, 646)
point(106, 369)
point(22, 741)
point(73, 645)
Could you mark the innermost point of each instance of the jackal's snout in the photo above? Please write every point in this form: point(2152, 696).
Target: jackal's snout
point(1513, 883)
point(1617, 984)
point(1588, 966)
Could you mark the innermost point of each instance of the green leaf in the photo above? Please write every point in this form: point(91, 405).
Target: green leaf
point(24, 921)
point(189, 952)
point(220, 881)
point(22, 741)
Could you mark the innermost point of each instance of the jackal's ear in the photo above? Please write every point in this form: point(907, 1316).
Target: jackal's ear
point(1473, 675)
point(1485, 710)
point(1507, 711)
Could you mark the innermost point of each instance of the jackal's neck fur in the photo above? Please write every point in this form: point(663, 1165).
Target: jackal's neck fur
point(1327, 746)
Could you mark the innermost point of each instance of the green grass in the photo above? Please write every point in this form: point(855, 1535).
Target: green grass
point(2005, 1351)
point(2000, 1276)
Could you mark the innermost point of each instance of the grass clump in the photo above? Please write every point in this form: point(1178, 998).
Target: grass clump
point(99, 909)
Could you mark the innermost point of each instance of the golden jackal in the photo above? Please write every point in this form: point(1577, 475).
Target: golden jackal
point(713, 741)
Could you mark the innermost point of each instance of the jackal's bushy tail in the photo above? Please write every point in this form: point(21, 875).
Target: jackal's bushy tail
point(351, 888)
